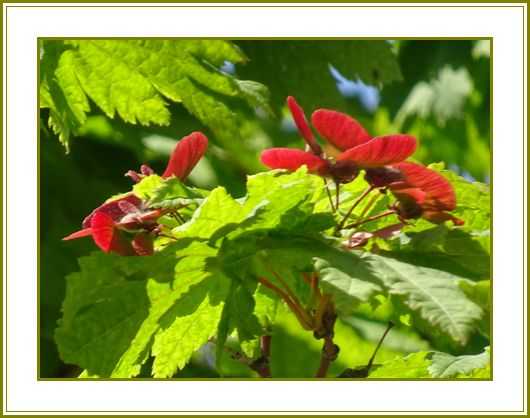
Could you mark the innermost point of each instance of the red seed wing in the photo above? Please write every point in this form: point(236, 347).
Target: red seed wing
point(410, 194)
point(113, 208)
point(438, 217)
point(107, 236)
point(292, 159)
point(79, 234)
point(302, 125)
point(339, 129)
point(186, 155)
point(440, 193)
point(103, 230)
point(381, 151)
point(143, 244)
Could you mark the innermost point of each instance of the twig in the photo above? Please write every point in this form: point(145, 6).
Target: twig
point(314, 285)
point(262, 364)
point(179, 217)
point(161, 234)
point(307, 278)
point(371, 218)
point(337, 194)
point(364, 371)
point(266, 345)
point(330, 350)
point(370, 203)
point(357, 201)
point(371, 361)
point(329, 195)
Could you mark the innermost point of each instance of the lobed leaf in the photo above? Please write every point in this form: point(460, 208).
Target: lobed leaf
point(435, 364)
point(446, 365)
point(188, 324)
point(133, 79)
point(430, 295)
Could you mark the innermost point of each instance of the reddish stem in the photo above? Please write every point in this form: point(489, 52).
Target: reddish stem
point(325, 358)
point(300, 314)
point(357, 201)
point(369, 205)
point(371, 218)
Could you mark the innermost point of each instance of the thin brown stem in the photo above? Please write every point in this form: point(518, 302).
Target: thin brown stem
point(355, 204)
point(314, 285)
point(371, 218)
point(286, 287)
point(300, 314)
point(337, 195)
point(307, 278)
point(329, 196)
point(371, 361)
point(266, 345)
point(161, 234)
point(370, 203)
point(179, 217)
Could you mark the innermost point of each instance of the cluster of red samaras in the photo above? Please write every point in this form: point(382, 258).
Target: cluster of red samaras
point(420, 192)
point(125, 225)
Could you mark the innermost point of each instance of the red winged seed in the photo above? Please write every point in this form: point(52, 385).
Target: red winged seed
point(339, 129)
point(381, 151)
point(113, 208)
point(186, 155)
point(424, 192)
point(303, 127)
point(292, 159)
point(107, 236)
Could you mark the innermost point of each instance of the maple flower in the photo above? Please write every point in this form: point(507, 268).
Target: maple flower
point(359, 149)
point(125, 225)
point(423, 192)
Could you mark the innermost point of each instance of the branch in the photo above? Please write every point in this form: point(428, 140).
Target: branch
point(330, 350)
point(364, 371)
point(262, 365)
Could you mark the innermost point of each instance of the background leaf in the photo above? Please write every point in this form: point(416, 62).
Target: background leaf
point(292, 67)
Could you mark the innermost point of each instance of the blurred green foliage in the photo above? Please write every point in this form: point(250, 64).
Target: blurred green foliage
point(437, 90)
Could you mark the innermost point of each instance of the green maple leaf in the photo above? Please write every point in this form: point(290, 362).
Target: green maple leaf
point(412, 366)
point(117, 309)
point(431, 296)
point(187, 325)
point(446, 365)
point(426, 364)
point(135, 79)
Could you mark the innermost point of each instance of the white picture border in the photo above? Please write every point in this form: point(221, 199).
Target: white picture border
point(23, 24)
